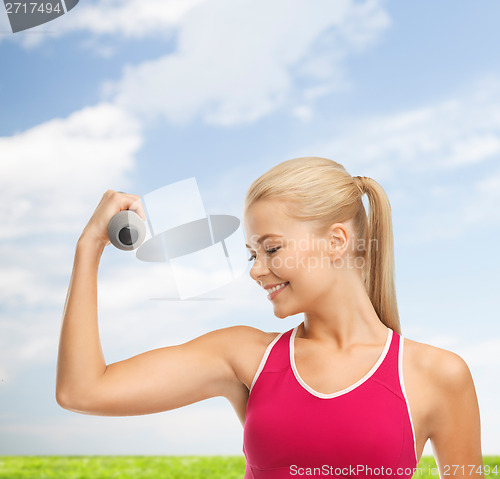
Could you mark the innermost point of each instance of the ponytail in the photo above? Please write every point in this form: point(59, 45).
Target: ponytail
point(379, 273)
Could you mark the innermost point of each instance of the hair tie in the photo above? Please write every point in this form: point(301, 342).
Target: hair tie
point(359, 181)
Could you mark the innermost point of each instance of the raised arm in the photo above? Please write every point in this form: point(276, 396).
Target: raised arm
point(154, 381)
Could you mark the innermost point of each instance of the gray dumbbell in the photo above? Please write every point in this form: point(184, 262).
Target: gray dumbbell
point(126, 230)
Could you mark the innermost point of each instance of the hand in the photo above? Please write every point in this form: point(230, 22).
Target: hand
point(111, 203)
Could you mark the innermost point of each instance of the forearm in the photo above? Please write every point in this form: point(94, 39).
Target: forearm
point(80, 361)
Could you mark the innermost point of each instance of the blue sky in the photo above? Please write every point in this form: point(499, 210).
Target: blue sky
point(133, 96)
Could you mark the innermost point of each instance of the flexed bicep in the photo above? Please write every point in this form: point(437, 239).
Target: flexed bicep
point(162, 379)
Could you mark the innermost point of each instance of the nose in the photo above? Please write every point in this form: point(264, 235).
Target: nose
point(259, 269)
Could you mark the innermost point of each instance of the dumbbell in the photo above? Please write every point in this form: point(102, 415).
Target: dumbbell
point(126, 230)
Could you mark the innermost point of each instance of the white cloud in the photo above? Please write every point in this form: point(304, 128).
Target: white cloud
point(239, 61)
point(28, 339)
point(53, 173)
point(235, 62)
point(458, 132)
point(130, 18)
point(303, 113)
point(125, 18)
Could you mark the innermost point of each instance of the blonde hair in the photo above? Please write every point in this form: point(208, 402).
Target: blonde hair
point(321, 191)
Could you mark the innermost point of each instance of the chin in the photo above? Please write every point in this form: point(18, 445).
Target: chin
point(279, 313)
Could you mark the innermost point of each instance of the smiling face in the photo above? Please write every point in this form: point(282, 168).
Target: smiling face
point(293, 254)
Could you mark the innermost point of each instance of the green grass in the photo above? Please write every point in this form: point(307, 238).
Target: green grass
point(121, 467)
point(155, 467)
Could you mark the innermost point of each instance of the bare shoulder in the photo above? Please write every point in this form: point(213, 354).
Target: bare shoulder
point(242, 331)
point(444, 368)
point(242, 337)
point(434, 378)
point(238, 346)
point(450, 401)
point(245, 347)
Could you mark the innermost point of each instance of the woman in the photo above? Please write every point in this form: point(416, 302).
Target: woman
point(334, 396)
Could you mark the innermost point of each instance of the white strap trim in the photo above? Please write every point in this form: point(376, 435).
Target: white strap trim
point(347, 389)
point(264, 359)
point(402, 383)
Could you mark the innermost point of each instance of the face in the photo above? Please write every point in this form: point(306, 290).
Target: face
point(294, 254)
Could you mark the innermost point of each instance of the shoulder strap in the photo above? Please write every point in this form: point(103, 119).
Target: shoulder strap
point(388, 373)
point(276, 357)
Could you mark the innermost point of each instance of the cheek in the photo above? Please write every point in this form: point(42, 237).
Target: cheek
point(295, 264)
point(284, 264)
point(304, 266)
point(313, 264)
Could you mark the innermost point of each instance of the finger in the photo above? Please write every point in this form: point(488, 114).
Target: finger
point(132, 202)
point(138, 207)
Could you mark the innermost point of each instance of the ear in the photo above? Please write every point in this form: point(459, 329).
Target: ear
point(338, 238)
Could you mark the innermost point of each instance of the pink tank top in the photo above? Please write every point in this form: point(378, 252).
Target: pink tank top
point(364, 430)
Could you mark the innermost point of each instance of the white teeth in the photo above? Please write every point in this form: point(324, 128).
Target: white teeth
point(272, 290)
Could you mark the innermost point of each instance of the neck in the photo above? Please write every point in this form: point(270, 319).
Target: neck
point(343, 316)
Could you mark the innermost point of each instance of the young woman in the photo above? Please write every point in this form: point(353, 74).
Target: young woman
point(343, 393)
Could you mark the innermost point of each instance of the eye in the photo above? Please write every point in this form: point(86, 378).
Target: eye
point(270, 251)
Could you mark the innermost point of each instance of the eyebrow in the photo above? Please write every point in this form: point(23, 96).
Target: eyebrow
point(263, 237)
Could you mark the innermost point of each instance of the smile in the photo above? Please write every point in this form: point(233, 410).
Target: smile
point(274, 291)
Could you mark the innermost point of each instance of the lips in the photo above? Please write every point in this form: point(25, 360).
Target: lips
point(272, 295)
point(269, 286)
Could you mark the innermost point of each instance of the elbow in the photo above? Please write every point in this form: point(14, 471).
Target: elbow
point(63, 399)
point(78, 402)
point(69, 401)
